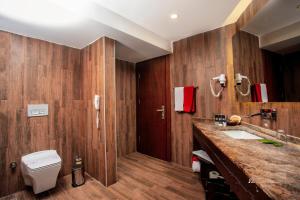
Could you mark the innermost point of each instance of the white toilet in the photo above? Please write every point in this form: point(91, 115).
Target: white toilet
point(40, 170)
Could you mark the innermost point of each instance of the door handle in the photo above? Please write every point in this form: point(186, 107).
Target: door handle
point(162, 110)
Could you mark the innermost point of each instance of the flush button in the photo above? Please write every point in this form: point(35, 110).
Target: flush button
point(37, 110)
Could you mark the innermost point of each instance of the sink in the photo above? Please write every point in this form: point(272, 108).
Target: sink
point(241, 135)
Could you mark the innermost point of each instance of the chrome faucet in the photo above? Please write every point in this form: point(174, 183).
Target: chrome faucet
point(269, 114)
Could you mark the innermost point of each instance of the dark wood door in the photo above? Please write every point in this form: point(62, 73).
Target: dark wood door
point(153, 108)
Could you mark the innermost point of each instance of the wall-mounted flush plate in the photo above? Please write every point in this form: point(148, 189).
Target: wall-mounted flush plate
point(37, 110)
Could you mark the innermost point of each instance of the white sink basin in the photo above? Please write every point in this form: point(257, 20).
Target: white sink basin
point(241, 135)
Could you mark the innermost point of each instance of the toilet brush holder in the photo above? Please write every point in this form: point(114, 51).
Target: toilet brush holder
point(78, 178)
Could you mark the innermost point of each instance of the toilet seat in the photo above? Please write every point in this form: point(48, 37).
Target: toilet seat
point(40, 170)
point(41, 159)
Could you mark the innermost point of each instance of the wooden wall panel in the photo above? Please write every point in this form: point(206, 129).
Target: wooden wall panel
point(4, 61)
point(287, 118)
point(110, 111)
point(93, 83)
point(34, 71)
point(194, 61)
point(98, 69)
point(126, 107)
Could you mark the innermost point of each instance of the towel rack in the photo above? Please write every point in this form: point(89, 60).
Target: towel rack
point(181, 86)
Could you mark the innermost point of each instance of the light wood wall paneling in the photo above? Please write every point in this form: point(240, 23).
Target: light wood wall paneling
point(126, 107)
point(35, 71)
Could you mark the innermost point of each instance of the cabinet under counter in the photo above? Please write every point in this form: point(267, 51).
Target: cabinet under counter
point(252, 169)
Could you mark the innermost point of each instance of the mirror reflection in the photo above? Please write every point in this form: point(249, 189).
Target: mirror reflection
point(267, 55)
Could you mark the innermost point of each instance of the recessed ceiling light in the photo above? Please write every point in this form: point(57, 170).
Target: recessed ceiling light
point(174, 16)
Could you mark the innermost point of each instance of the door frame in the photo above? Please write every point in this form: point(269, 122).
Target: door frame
point(167, 106)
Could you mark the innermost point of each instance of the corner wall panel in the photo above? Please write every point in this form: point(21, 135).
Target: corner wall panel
point(126, 107)
point(98, 69)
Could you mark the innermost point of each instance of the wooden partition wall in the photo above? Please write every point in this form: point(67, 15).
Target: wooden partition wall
point(34, 71)
point(98, 71)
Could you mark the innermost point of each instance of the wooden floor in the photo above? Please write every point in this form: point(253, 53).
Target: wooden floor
point(139, 177)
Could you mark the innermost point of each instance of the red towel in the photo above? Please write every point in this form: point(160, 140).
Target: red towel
point(189, 100)
point(257, 94)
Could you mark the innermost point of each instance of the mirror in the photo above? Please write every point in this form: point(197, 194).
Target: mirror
point(267, 52)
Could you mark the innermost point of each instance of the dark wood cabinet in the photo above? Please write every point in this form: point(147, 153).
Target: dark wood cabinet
point(238, 181)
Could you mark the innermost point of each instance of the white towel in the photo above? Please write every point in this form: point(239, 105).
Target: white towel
point(264, 93)
point(179, 92)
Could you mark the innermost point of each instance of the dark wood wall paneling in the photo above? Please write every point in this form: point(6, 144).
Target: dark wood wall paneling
point(194, 61)
point(93, 83)
point(110, 111)
point(288, 114)
point(126, 107)
point(34, 71)
point(98, 65)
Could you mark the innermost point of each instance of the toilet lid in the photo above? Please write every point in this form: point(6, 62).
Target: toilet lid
point(41, 159)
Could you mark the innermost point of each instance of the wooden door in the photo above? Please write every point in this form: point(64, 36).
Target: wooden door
point(153, 116)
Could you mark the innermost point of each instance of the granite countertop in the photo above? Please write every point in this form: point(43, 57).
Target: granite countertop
point(275, 170)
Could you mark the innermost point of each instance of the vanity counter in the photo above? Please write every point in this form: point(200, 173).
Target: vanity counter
point(254, 170)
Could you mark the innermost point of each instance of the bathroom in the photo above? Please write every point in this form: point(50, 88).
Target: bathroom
point(97, 87)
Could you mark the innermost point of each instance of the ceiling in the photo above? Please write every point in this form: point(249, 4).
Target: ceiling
point(195, 16)
point(275, 15)
point(277, 25)
point(143, 28)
